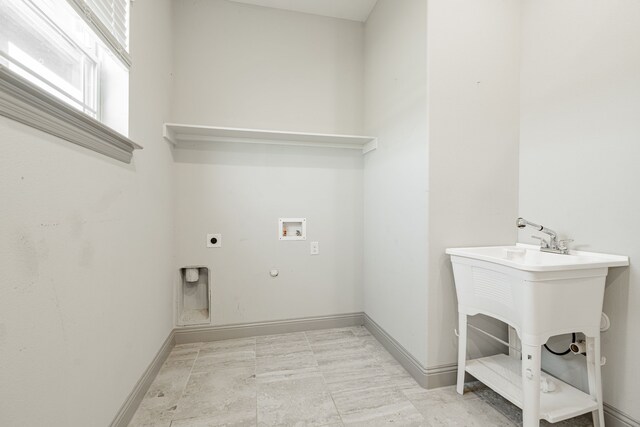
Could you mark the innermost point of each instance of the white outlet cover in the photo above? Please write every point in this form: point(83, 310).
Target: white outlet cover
point(217, 238)
point(315, 248)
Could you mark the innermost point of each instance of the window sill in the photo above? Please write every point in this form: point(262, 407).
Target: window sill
point(22, 102)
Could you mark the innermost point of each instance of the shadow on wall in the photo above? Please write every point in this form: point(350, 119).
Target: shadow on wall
point(234, 154)
point(616, 295)
point(12, 131)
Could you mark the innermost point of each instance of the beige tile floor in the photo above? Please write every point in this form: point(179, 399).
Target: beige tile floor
point(332, 377)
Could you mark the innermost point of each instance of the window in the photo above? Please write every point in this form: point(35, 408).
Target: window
point(75, 51)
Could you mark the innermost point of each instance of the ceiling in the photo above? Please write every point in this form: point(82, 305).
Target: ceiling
point(355, 10)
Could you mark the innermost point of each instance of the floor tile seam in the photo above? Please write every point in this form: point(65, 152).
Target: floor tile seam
point(230, 353)
point(255, 375)
point(424, 418)
point(355, 338)
point(374, 417)
point(376, 364)
point(313, 353)
point(359, 351)
point(280, 345)
point(266, 379)
point(186, 383)
point(324, 380)
point(306, 337)
point(380, 387)
point(351, 374)
point(284, 354)
point(327, 356)
point(395, 388)
point(281, 374)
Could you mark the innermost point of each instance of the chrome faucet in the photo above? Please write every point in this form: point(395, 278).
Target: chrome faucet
point(553, 245)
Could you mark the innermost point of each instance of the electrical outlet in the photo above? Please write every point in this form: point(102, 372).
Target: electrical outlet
point(214, 240)
point(315, 248)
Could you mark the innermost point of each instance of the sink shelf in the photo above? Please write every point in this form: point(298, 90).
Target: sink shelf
point(502, 373)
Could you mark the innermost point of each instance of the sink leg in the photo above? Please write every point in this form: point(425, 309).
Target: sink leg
point(595, 378)
point(531, 385)
point(513, 343)
point(462, 351)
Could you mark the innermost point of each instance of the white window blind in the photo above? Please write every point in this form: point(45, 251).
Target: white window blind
point(110, 18)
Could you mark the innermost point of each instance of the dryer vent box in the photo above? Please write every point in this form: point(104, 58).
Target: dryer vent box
point(194, 296)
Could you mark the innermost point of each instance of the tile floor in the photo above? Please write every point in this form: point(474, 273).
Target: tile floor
point(332, 377)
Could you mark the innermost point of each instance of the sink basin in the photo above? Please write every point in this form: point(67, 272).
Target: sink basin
point(530, 258)
point(532, 290)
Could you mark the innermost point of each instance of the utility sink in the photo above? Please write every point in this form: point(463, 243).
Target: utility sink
point(530, 258)
point(539, 294)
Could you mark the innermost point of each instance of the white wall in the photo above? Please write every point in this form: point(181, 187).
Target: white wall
point(247, 66)
point(473, 95)
point(441, 93)
point(85, 255)
point(395, 175)
point(580, 145)
point(240, 65)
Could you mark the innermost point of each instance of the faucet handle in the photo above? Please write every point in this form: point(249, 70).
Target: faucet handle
point(543, 242)
point(564, 244)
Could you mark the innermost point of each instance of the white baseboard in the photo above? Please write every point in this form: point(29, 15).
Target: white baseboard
point(215, 333)
point(613, 417)
point(130, 405)
point(433, 377)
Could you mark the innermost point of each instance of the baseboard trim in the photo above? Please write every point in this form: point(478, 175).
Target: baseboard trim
point(434, 377)
point(243, 330)
point(130, 405)
point(614, 417)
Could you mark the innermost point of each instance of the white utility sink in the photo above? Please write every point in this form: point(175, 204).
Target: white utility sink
point(539, 294)
point(530, 258)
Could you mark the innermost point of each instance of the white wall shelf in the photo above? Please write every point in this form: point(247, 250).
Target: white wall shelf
point(180, 134)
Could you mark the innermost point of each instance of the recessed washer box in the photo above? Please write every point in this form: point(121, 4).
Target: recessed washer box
point(292, 229)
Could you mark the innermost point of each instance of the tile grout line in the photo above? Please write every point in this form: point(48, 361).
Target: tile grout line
point(324, 380)
point(186, 383)
point(361, 339)
point(397, 388)
point(255, 373)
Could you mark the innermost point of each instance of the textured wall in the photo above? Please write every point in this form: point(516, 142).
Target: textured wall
point(395, 175)
point(246, 66)
point(579, 151)
point(85, 255)
point(473, 96)
point(254, 67)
